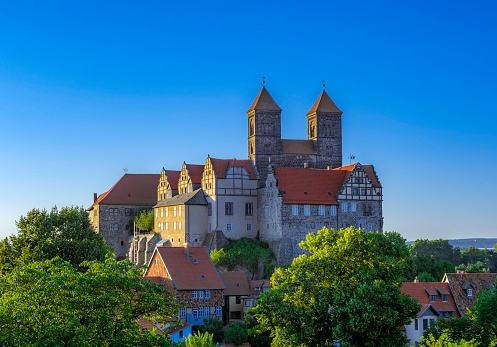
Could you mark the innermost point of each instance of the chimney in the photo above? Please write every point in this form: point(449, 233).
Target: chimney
point(416, 280)
point(460, 271)
point(328, 167)
point(187, 250)
point(95, 196)
point(305, 165)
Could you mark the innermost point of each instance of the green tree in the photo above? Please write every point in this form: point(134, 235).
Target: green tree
point(51, 303)
point(346, 291)
point(444, 341)
point(214, 327)
point(44, 235)
point(200, 340)
point(144, 220)
point(478, 267)
point(438, 249)
point(425, 277)
point(236, 333)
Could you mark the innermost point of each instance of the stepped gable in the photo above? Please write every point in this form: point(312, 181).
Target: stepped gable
point(264, 101)
point(236, 283)
point(221, 166)
point(298, 147)
point(460, 282)
point(192, 198)
point(309, 186)
point(132, 189)
point(172, 178)
point(369, 169)
point(195, 172)
point(324, 104)
point(190, 270)
point(422, 291)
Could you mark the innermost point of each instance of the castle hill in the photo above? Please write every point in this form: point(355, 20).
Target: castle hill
point(248, 174)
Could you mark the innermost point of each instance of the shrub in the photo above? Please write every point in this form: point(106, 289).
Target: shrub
point(144, 220)
point(216, 256)
point(237, 333)
point(213, 326)
point(200, 340)
point(260, 341)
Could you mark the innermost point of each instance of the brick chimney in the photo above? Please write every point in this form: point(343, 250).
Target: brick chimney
point(95, 196)
point(187, 250)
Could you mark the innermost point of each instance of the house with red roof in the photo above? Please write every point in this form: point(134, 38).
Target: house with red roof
point(237, 289)
point(111, 212)
point(256, 288)
point(436, 301)
point(190, 273)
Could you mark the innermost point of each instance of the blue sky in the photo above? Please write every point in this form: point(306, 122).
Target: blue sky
point(88, 89)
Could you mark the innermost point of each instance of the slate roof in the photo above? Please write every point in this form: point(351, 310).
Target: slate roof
point(310, 186)
point(186, 273)
point(264, 101)
point(457, 281)
point(221, 166)
point(236, 283)
point(192, 198)
point(195, 172)
point(421, 292)
point(131, 189)
point(324, 104)
point(298, 147)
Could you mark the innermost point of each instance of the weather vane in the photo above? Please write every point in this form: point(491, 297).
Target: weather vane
point(323, 84)
point(263, 80)
point(351, 157)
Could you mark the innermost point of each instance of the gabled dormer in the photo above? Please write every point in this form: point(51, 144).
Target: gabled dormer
point(432, 294)
point(190, 178)
point(168, 184)
point(470, 289)
point(360, 183)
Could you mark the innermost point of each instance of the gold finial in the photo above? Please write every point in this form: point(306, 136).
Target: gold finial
point(323, 84)
point(125, 170)
point(263, 82)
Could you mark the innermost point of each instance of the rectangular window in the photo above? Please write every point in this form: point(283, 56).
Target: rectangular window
point(167, 211)
point(194, 294)
point(353, 206)
point(307, 210)
point(162, 212)
point(228, 208)
point(360, 225)
point(425, 324)
point(354, 191)
point(218, 311)
point(114, 227)
point(321, 210)
point(179, 210)
point(195, 314)
point(206, 312)
point(228, 227)
point(200, 312)
point(295, 210)
point(200, 294)
point(266, 211)
point(209, 209)
point(470, 292)
point(249, 226)
point(169, 194)
point(274, 226)
point(174, 211)
point(112, 211)
point(210, 227)
point(183, 312)
point(249, 209)
point(344, 206)
point(167, 226)
point(333, 211)
point(363, 191)
point(445, 297)
point(179, 225)
point(207, 294)
point(129, 212)
point(370, 226)
point(433, 298)
point(174, 225)
point(238, 300)
point(157, 213)
point(416, 324)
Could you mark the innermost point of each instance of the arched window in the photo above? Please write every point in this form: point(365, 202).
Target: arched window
point(312, 129)
point(252, 148)
point(251, 128)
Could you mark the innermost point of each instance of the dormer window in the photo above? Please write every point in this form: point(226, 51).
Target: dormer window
point(469, 292)
point(433, 298)
point(445, 297)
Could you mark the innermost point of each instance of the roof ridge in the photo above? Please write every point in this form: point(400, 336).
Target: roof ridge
point(264, 101)
point(324, 104)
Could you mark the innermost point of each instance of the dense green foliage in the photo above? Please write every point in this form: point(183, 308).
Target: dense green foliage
point(144, 220)
point(43, 235)
point(435, 258)
point(200, 340)
point(51, 303)
point(214, 327)
point(236, 333)
point(347, 291)
point(245, 252)
point(444, 341)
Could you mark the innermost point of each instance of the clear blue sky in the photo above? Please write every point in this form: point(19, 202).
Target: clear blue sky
point(90, 88)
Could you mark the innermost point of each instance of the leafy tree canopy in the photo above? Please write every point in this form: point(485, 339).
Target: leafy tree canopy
point(144, 220)
point(51, 303)
point(43, 235)
point(478, 267)
point(346, 292)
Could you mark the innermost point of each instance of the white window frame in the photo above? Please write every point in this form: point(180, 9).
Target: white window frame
point(207, 294)
point(307, 210)
point(179, 211)
point(167, 211)
point(156, 213)
point(195, 314)
point(229, 227)
point(219, 311)
point(345, 206)
point(206, 312)
point(353, 207)
point(249, 226)
point(194, 294)
point(167, 226)
point(333, 211)
point(322, 210)
point(174, 211)
point(295, 210)
point(161, 212)
point(179, 225)
point(183, 312)
point(200, 294)
point(174, 225)
point(370, 226)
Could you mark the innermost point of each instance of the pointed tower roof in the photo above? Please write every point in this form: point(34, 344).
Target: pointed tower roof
point(324, 104)
point(264, 101)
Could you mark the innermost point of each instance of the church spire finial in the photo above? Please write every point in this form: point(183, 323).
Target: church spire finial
point(263, 81)
point(323, 85)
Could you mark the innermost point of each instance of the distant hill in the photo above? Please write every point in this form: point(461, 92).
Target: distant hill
point(466, 243)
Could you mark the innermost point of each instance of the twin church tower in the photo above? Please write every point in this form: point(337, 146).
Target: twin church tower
point(321, 150)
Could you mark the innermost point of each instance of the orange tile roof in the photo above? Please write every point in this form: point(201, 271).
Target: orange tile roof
point(145, 324)
point(297, 147)
point(310, 186)
point(264, 101)
point(419, 291)
point(261, 284)
point(173, 178)
point(195, 172)
point(324, 104)
point(221, 166)
point(132, 189)
point(372, 175)
point(236, 283)
point(185, 273)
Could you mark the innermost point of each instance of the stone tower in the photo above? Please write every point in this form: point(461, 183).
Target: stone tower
point(264, 131)
point(324, 128)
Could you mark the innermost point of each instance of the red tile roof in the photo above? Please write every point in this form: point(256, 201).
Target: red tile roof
point(173, 178)
point(132, 189)
point(236, 283)
point(324, 104)
point(372, 175)
point(261, 284)
point(195, 172)
point(145, 324)
point(221, 166)
point(264, 101)
point(310, 186)
point(185, 273)
point(420, 291)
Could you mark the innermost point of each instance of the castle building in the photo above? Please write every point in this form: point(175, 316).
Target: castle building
point(283, 191)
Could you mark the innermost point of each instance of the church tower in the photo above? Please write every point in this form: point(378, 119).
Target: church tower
point(324, 128)
point(264, 131)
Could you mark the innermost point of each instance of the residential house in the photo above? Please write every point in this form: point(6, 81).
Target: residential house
point(236, 290)
point(176, 332)
point(190, 274)
point(255, 289)
point(436, 301)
